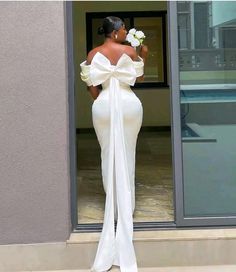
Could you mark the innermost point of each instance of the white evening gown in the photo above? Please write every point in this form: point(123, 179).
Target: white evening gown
point(117, 117)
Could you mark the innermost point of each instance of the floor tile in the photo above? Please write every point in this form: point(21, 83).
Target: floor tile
point(154, 187)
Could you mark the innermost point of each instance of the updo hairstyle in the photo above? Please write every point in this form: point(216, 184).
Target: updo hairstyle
point(110, 23)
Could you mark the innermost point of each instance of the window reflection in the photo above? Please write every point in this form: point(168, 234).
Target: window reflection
point(153, 24)
point(207, 63)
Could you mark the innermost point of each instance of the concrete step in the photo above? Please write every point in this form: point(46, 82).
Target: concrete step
point(210, 268)
point(159, 251)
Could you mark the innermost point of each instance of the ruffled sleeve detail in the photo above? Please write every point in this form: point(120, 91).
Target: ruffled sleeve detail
point(139, 67)
point(85, 73)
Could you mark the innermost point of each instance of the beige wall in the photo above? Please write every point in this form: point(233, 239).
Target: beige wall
point(34, 186)
point(156, 102)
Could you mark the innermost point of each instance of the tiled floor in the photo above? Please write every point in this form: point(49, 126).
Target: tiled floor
point(154, 188)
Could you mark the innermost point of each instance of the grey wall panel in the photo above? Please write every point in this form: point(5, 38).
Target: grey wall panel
point(34, 187)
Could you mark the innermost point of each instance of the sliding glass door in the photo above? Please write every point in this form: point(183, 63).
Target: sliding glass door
point(203, 75)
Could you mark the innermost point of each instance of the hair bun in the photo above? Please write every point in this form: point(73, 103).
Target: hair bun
point(101, 30)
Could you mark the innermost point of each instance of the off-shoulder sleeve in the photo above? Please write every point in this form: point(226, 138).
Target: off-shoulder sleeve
point(139, 66)
point(85, 73)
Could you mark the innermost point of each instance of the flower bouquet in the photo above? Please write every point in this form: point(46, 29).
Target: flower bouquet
point(135, 37)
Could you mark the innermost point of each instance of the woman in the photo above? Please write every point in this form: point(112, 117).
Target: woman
point(117, 118)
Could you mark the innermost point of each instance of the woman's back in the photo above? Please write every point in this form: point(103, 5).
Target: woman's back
point(112, 51)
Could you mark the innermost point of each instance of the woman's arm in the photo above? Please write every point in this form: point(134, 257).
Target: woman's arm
point(143, 54)
point(94, 90)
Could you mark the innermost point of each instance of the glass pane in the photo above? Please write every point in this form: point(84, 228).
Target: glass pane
point(183, 6)
point(184, 28)
point(183, 21)
point(152, 27)
point(208, 109)
point(201, 24)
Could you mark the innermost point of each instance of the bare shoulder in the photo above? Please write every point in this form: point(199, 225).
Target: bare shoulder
point(91, 54)
point(130, 51)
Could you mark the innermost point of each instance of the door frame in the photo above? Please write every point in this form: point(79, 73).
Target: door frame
point(177, 161)
point(175, 110)
point(75, 226)
point(68, 14)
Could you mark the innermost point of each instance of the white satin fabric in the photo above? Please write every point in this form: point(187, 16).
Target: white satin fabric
point(117, 118)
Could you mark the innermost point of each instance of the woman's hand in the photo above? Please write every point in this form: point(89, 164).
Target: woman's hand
point(94, 91)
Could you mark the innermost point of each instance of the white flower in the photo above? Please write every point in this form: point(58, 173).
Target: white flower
point(135, 42)
point(129, 37)
point(135, 37)
point(139, 34)
point(132, 31)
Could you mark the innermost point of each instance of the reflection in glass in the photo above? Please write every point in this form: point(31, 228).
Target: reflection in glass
point(207, 60)
point(152, 27)
point(153, 24)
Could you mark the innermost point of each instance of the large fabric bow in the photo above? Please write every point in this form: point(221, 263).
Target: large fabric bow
point(102, 69)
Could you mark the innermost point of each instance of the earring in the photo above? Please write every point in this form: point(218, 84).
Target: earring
point(116, 36)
